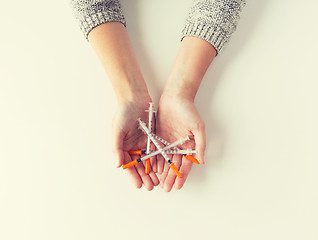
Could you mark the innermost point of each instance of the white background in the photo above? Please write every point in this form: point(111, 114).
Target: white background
point(258, 99)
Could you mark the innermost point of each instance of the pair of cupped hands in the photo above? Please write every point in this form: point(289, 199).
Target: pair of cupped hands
point(176, 117)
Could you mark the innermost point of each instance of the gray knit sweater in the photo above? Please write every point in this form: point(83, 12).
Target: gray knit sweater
point(212, 20)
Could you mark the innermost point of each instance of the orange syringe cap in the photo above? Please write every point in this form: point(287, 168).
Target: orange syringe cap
point(191, 158)
point(147, 166)
point(136, 152)
point(130, 164)
point(176, 171)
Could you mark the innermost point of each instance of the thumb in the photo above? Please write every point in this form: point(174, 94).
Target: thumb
point(117, 144)
point(119, 158)
point(200, 143)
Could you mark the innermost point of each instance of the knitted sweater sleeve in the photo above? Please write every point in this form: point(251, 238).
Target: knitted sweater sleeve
point(213, 20)
point(91, 13)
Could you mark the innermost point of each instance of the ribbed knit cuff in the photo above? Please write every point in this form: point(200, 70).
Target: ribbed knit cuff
point(94, 19)
point(212, 35)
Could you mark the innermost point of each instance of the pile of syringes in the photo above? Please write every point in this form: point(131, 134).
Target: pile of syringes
point(169, 148)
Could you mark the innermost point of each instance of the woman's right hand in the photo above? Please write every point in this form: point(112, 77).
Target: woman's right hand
point(126, 136)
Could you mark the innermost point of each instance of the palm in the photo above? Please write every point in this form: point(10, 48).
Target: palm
point(178, 118)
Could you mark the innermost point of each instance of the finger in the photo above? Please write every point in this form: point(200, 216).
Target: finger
point(154, 178)
point(146, 180)
point(164, 174)
point(169, 181)
point(119, 157)
point(117, 144)
point(200, 143)
point(153, 160)
point(184, 170)
point(160, 164)
point(153, 175)
point(153, 163)
point(132, 173)
point(171, 177)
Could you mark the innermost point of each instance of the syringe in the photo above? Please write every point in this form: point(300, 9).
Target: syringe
point(154, 153)
point(171, 164)
point(150, 114)
point(170, 151)
point(187, 155)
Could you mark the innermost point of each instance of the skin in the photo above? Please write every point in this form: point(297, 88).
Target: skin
point(111, 43)
point(177, 115)
point(127, 136)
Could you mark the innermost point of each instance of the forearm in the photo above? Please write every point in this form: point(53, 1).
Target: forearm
point(111, 43)
point(193, 59)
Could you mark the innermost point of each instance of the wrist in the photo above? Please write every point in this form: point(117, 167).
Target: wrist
point(132, 91)
point(135, 106)
point(186, 94)
point(129, 87)
point(192, 61)
point(171, 95)
point(132, 95)
point(181, 86)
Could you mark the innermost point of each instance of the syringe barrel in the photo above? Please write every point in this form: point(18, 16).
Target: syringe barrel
point(159, 148)
point(160, 139)
point(180, 151)
point(143, 126)
point(150, 114)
